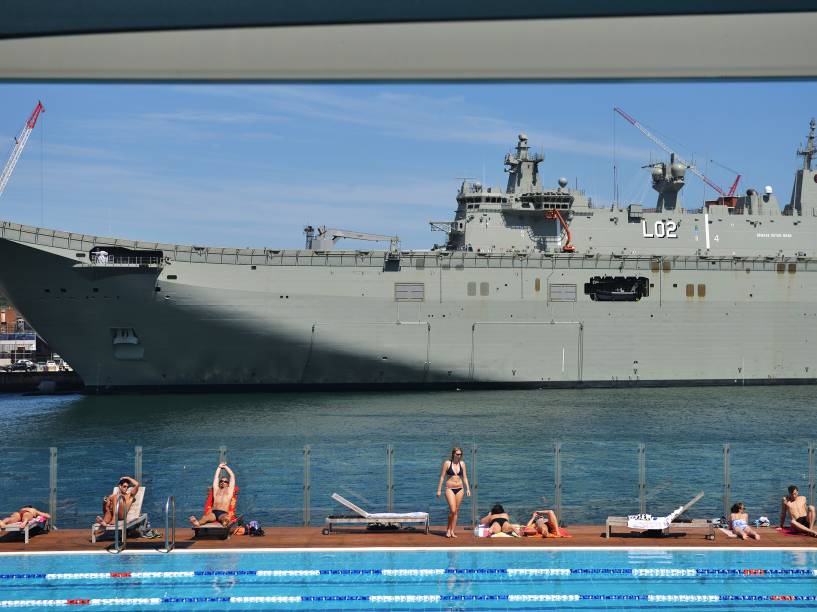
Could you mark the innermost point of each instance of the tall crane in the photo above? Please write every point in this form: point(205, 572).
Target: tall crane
point(20, 143)
point(678, 158)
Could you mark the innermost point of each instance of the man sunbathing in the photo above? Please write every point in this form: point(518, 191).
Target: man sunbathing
point(223, 489)
point(23, 516)
point(802, 516)
point(127, 487)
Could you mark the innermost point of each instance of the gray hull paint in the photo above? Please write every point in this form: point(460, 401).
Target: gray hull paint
point(307, 320)
point(723, 295)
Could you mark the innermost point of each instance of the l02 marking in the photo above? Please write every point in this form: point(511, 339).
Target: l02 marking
point(660, 229)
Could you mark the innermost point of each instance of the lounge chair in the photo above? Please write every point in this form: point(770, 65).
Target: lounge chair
point(661, 525)
point(361, 517)
point(36, 525)
point(134, 518)
point(216, 529)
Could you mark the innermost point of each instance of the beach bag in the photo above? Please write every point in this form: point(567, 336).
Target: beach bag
point(253, 529)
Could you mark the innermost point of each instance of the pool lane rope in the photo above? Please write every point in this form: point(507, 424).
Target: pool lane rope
point(556, 572)
point(392, 599)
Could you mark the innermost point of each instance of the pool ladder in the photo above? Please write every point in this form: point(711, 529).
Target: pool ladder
point(170, 525)
point(120, 538)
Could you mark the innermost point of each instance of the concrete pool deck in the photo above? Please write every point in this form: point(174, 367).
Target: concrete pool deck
point(590, 536)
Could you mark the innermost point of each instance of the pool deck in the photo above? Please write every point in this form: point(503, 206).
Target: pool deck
point(590, 536)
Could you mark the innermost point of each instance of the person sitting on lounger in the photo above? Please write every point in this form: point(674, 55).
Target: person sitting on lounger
point(223, 489)
point(544, 523)
point(127, 487)
point(498, 521)
point(23, 516)
point(802, 516)
point(739, 522)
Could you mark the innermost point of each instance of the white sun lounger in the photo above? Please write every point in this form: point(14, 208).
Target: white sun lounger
point(361, 517)
point(661, 523)
point(34, 525)
point(133, 519)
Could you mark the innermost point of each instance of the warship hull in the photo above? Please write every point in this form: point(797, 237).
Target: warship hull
point(174, 317)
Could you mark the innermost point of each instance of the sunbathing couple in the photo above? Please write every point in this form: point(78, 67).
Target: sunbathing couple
point(23, 516)
point(223, 490)
point(542, 523)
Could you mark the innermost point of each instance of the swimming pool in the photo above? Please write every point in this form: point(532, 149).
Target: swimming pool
point(410, 579)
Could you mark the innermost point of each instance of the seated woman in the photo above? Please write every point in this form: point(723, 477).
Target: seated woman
point(543, 523)
point(498, 521)
point(23, 516)
point(739, 521)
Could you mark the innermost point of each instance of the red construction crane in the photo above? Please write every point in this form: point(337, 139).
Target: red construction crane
point(20, 143)
point(678, 158)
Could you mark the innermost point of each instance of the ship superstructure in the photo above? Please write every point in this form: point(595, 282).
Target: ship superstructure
point(533, 286)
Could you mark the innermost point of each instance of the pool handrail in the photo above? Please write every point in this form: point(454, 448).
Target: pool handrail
point(170, 525)
point(117, 546)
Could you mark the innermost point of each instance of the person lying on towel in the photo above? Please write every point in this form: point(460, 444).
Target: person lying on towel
point(220, 506)
point(499, 522)
point(543, 523)
point(23, 516)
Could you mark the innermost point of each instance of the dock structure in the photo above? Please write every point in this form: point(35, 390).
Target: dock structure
point(583, 536)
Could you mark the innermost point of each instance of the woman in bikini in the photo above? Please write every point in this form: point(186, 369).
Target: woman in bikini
point(739, 521)
point(498, 521)
point(23, 516)
point(454, 475)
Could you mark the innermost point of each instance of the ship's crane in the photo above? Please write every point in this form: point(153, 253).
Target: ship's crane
point(678, 158)
point(20, 143)
point(327, 237)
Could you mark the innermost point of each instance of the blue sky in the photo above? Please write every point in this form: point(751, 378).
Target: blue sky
point(250, 165)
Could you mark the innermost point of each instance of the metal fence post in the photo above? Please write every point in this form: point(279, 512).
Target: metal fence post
point(812, 474)
point(642, 478)
point(474, 481)
point(389, 478)
point(137, 463)
point(307, 486)
point(52, 486)
point(727, 480)
point(222, 454)
point(557, 480)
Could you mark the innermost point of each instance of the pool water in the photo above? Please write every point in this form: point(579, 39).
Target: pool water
point(416, 579)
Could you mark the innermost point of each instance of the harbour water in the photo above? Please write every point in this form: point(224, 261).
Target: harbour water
point(683, 430)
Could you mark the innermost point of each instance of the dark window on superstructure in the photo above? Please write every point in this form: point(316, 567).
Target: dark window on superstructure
point(472, 289)
point(484, 288)
point(792, 268)
point(701, 290)
point(690, 290)
point(537, 285)
point(617, 288)
point(781, 268)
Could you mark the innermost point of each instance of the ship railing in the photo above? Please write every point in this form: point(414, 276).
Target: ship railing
point(170, 525)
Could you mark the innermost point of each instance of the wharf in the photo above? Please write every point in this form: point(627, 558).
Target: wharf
point(589, 536)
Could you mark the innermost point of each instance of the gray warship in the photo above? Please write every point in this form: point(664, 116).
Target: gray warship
point(532, 287)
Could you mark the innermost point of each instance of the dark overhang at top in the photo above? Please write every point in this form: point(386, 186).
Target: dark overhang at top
point(25, 18)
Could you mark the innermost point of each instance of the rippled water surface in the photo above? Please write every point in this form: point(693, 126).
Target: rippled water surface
point(513, 432)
